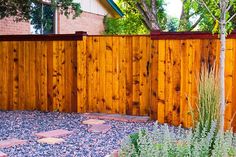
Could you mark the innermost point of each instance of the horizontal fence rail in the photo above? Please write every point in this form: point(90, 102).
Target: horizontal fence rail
point(134, 75)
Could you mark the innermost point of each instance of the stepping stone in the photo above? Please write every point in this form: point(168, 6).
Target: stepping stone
point(54, 133)
point(51, 140)
point(115, 153)
point(140, 119)
point(118, 117)
point(11, 142)
point(99, 128)
point(3, 154)
point(93, 122)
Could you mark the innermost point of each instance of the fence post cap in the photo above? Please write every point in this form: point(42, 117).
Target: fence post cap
point(82, 33)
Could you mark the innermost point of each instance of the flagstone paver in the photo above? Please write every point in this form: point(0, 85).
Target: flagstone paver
point(118, 117)
point(99, 128)
point(93, 122)
point(54, 133)
point(51, 140)
point(11, 142)
point(3, 154)
point(115, 153)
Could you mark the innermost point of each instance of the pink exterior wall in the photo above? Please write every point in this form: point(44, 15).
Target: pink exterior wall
point(88, 22)
point(9, 27)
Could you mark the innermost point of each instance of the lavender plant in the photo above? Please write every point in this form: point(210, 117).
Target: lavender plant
point(165, 141)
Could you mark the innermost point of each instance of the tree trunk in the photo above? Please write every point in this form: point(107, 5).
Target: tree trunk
point(222, 69)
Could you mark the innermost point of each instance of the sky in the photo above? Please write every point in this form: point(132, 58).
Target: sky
point(173, 8)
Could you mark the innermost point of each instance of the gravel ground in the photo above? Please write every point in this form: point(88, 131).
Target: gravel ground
point(24, 124)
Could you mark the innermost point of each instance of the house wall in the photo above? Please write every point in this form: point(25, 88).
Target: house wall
point(88, 22)
point(92, 6)
point(9, 27)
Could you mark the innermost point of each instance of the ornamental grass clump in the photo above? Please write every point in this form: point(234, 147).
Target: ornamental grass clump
point(208, 99)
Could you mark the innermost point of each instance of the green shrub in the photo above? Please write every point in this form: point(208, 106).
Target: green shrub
point(164, 141)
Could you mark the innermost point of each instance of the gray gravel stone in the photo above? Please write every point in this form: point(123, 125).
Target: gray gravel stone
point(24, 124)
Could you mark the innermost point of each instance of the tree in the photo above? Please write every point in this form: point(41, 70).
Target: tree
point(172, 24)
point(133, 21)
point(190, 10)
point(25, 10)
point(221, 15)
point(141, 14)
point(43, 18)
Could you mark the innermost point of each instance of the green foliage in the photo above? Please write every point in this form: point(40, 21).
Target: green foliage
point(177, 142)
point(126, 25)
point(172, 24)
point(208, 23)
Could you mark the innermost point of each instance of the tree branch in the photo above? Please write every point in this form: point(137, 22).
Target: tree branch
point(154, 7)
point(196, 23)
point(231, 18)
point(204, 4)
point(145, 7)
point(230, 5)
point(145, 17)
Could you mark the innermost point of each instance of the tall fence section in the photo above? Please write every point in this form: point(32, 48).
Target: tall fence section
point(136, 75)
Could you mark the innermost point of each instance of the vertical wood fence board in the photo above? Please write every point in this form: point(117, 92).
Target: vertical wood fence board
point(1, 76)
point(183, 86)
point(108, 74)
point(233, 120)
point(161, 81)
point(136, 75)
point(195, 77)
point(169, 80)
point(191, 49)
point(96, 87)
point(116, 79)
point(176, 81)
point(70, 82)
point(154, 78)
point(50, 73)
point(4, 75)
point(101, 75)
point(82, 76)
point(122, 75)
point(129, 77)
point(15, 70)
point(228, 82)
point(43, 78)
point(144, 67)
point(54, 77)
point(32, 77)
point(89, 48)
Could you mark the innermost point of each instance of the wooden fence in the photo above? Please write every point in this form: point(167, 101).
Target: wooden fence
point(135, 75)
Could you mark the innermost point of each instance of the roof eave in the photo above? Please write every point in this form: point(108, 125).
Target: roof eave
point(115, 7)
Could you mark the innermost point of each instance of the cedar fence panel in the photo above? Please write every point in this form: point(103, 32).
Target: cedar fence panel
point(134, 75)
